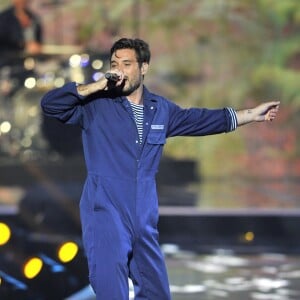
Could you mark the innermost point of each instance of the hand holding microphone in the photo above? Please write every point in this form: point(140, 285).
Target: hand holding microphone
point(113, 80)
point(112, 76)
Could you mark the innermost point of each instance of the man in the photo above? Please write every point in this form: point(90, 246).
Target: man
point(124, 129)
point(20, 29)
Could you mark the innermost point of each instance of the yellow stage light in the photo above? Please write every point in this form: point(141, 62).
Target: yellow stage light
point(67, 252)
point(249, 236)
point(5, 234)
point(33, 267)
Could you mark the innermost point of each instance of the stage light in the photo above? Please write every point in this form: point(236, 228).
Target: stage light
point(75, 60)
point(30, 83)
point(5, 127)
point(32, 267)
point(85, 59)
point(59, 82)
point(97, 64)
point(96, 76)
point(67, 252)
point(5, 234)
point(249, 236)
point(29, 63)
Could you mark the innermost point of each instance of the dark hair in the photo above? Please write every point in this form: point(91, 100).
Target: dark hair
point(140, 47)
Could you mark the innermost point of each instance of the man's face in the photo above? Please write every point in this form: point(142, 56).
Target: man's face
point(125, 61)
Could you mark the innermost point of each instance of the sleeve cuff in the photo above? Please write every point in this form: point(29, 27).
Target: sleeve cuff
point(233, 119)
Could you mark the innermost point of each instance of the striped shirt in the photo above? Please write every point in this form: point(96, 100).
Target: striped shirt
point(138, 112)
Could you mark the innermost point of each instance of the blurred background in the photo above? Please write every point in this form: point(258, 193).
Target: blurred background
point(229, 204)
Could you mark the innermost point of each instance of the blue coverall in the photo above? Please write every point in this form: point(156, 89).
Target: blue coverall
point(119, 205)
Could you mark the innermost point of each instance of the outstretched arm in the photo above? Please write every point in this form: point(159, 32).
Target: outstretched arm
point(264, 112)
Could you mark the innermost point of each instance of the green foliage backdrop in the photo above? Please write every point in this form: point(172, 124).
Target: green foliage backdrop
point(215, 53)
point(208, 53)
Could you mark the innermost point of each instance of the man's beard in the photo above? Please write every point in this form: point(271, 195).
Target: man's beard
point(126, 91)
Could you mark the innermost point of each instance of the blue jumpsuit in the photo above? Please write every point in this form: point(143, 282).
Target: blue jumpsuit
point(119, 205)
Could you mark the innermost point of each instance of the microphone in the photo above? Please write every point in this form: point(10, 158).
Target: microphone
point(112, 76)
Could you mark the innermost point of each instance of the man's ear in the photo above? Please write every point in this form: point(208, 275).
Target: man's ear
point(144, 68)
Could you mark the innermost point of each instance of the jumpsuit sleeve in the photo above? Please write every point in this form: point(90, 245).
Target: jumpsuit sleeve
point(66, 105)
point(200, 121)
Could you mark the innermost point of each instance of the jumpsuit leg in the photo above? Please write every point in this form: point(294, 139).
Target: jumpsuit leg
point(147, 266)
point(110, 271)
point(108, 246)
point(148, 271)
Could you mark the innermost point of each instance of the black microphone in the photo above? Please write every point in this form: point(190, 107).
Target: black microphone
point(112, 76)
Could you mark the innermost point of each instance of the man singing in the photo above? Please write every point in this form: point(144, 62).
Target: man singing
point(124, 128)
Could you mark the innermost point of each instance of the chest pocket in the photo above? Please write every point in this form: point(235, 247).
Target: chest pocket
point(156, 137)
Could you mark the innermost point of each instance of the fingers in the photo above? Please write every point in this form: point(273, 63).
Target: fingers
point(274, 103)
point(272, 113)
